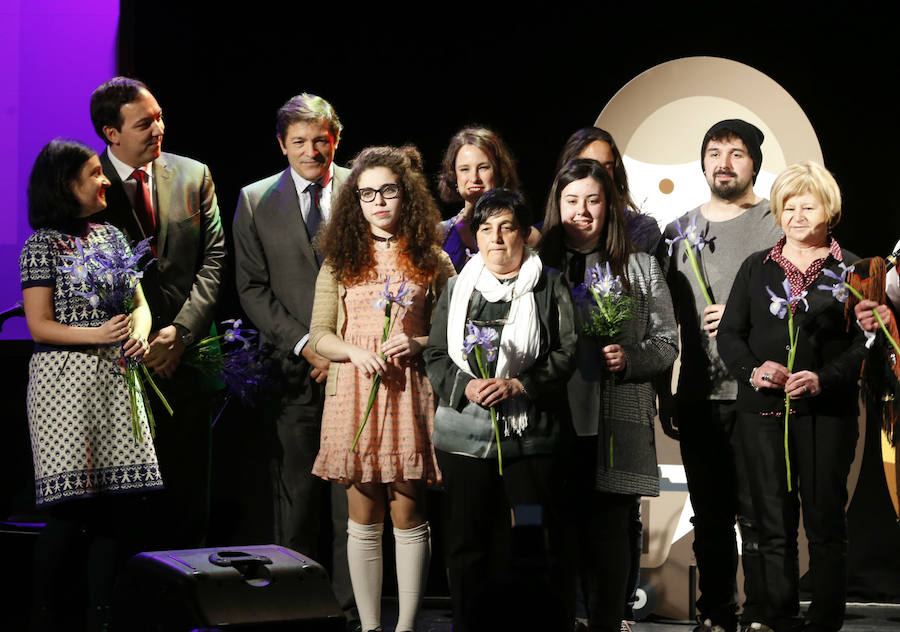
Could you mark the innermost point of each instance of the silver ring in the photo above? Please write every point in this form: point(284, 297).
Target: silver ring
point(767, 378)
point(805, 390)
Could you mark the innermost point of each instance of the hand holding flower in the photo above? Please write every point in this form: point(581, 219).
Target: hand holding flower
point(615, 358)
point(770, 374)
point(866, 318)
point(401, 345)
point(490, 392)
point(116, 329)
point(368, 362)
point(712, 315)
point(841, 292)
point(802, 384)
point(135, 348)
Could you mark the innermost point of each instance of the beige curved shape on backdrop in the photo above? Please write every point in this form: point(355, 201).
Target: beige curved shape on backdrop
point(659, 118)
point(710, 89)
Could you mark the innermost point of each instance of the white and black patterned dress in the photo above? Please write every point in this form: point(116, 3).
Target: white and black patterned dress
point(79, 412)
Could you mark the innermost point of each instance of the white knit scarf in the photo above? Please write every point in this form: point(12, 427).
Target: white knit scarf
point(520, 339)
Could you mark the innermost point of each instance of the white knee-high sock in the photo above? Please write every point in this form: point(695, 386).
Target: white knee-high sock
point(365, 560)
point(413, 552)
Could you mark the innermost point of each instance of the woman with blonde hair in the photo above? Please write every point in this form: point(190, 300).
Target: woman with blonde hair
point(802, 457)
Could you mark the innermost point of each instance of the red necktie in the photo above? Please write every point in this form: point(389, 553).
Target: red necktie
point(143, 207)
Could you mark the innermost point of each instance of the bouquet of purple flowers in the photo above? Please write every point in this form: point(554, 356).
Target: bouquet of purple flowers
point(613, 307)
point(236, 358)
point(385, 303)
point(481, 341)
point(109, 275)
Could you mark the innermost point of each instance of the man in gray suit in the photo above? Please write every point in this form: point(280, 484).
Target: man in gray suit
point(274, 225)
point(172, 199)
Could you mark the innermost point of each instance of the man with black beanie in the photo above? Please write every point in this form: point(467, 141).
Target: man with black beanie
point(735, 222)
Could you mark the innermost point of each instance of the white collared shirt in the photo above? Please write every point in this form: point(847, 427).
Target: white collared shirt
point(128, 183)
point(300, 183)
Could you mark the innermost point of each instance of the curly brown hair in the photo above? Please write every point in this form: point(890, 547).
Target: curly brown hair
point(492, 145)
point(346, 242)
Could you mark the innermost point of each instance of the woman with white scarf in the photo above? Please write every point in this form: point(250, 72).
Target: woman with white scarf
point(505, 288)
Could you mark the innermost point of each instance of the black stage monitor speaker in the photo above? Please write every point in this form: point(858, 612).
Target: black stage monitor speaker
point(244, 588)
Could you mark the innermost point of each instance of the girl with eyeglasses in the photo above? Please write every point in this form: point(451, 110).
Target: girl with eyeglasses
point(381, 251)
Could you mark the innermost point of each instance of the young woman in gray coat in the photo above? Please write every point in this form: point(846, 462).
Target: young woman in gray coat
point(612, 398)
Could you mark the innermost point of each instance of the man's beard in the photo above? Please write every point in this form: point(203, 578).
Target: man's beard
point(731, 190)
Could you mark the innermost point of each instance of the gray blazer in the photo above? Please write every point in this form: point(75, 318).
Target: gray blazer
point(276, 266)
point(183, 285)
point(619, 408)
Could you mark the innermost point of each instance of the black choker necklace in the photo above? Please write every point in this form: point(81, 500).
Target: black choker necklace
point(384, 240)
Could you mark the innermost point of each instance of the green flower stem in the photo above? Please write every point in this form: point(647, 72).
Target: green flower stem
point(372, 392)
point(599, 303)
point(132, 398)
point(376, 382)
point(484, 374)
point(689, 251)
point(155, 388)
point(208, 341)
point(611, 465)
point(792, 352)
point(878, 318)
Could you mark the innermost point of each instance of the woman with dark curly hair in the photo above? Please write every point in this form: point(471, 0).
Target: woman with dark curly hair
point(381, 248)
point(476, 161)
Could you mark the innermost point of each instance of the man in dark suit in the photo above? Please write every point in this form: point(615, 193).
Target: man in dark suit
point(274, 225)
point(173, 200)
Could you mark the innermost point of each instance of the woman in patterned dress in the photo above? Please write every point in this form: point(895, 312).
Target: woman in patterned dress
point(79, 411)
point(381, 242)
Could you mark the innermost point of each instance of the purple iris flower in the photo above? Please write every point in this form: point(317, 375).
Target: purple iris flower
point(693, 236)
point(602, 282)
point(236, 333)
point(483, 337)
point(401, 298)
point(78, 268)
point(779, 305)
point(838, 290)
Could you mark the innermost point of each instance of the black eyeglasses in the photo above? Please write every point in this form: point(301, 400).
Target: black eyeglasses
point(388, 192)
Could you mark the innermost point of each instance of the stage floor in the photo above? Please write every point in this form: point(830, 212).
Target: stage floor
point(435, 617)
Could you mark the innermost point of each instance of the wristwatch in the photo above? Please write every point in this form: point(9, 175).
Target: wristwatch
point(187, 338)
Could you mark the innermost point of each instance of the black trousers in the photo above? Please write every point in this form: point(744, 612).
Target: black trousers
point(491, 570)
point(81, 549)
point(599, 528)
point(719, 492)
point(180, 511)
point(300, 498)
point(821, 450)
point(605, 560)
